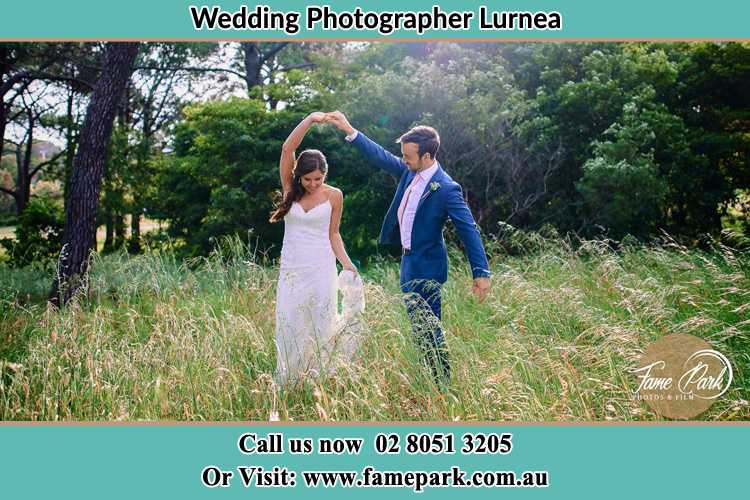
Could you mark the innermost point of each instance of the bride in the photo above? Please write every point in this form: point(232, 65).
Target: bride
point(308, 326)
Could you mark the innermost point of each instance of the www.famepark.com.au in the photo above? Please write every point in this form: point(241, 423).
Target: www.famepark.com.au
point(370, 477)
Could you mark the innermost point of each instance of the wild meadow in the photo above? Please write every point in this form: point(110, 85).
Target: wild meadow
point(155, 338)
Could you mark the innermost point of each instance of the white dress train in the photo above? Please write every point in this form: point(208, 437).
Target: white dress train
point(311, 336)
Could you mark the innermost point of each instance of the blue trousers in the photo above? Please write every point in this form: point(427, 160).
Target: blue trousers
point(422, 299)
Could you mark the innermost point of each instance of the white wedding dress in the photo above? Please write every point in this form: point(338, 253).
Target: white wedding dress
point(311, 336)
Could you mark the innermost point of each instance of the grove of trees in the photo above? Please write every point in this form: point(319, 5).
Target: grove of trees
point(597, 139)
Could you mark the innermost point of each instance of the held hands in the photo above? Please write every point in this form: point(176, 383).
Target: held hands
point(481, 288)
point(340, 121)
point(318, 117)
point(337, 118)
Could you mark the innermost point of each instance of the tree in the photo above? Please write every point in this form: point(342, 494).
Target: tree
point(256, 55)
point(580, 89)
point(112, 204)
point(155, 107)
point(31, 75)
point(80, 218)
point(26, 168)
point(713, 100)
point(621, 186)
point(38, 233)
point(151, 101)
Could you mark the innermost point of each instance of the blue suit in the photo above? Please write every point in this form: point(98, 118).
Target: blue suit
point(425, 268)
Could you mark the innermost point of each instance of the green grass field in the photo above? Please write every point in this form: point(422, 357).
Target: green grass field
point(157, 339)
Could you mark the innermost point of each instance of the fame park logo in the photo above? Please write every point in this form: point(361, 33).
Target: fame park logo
point(680, 376)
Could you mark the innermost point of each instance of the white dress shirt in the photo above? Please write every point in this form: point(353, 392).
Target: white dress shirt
point(410, 201)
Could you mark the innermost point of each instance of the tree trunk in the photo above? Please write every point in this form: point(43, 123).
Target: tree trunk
point(109, 231)
point(272, 103)
point(253, 64)
point(4, 68)
point(23, 181)
point(134, 245)
point(80, 219)
point(70, 149)
point(142, 156)
point(120, 232)
point(21, 188)
point(2, 127)
point(107, 214)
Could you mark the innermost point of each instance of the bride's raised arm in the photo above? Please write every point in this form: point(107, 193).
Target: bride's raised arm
point(286, 164)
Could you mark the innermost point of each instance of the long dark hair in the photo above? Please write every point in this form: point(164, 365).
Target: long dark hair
point(308, 161)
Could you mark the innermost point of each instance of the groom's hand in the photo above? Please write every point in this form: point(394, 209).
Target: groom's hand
point(338, 119)
point(481, 288)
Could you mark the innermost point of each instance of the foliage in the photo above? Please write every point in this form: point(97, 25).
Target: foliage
point(113, 203)
point(621, 186)
point(7, 203)
point(554, 135)
point(38, 233)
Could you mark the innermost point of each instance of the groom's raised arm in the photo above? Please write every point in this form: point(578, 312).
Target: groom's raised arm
point(377, 155)
point(467, 230)
point(371, 150)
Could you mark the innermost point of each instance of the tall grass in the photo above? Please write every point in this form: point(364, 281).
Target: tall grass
point(157, 339)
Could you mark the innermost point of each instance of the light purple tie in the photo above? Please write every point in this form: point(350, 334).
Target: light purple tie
point(405, 199)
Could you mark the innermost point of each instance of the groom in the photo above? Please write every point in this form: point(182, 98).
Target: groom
point(426, 196)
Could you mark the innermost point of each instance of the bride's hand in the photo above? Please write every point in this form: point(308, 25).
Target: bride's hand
point(350, 268)
point(317, 117)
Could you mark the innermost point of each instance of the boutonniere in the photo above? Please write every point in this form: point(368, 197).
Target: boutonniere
point(434, 186)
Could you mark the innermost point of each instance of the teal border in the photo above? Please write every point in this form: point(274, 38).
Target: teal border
point(582, 19)
point(164, 461)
